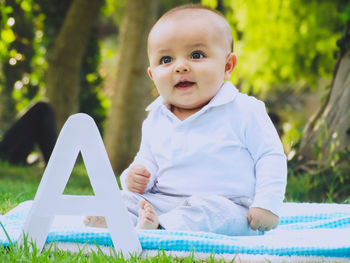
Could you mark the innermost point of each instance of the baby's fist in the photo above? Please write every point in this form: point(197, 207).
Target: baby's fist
point(262, 219)
point(137, 179)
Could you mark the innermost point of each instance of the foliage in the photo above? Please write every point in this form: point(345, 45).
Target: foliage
point(16, 54)
point(327, 182)
point(210, 3)
point(286, 50)
point(285, 42)
point(114, 9)
point(52, 16)
point(23, 58)
point(28, 29)
point(344, 42)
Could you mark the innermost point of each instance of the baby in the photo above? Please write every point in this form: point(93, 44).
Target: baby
point(210, 158)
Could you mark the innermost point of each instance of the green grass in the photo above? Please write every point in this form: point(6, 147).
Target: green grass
point(17, 184)
point(322, 184)
point(30, 253)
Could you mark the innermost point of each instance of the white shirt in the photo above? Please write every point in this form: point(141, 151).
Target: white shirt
point(228, 148)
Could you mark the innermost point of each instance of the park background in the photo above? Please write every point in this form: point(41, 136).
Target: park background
point(90, 56)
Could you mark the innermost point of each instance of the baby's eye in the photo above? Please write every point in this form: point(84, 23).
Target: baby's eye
point(165, 60)
point(197, 55)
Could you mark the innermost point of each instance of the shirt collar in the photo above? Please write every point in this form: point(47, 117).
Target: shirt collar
point(226, 94)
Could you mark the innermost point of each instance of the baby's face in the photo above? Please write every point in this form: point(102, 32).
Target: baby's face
point(189, 56)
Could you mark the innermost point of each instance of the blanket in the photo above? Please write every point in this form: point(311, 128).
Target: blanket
point(305, 229)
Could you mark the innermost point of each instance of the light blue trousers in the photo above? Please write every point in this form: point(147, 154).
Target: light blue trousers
point(208, 213)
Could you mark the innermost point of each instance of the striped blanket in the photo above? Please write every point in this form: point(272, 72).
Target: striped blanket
point(305, 229)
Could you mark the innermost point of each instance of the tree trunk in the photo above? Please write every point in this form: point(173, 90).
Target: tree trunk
point(329, 130)
point(132, 90)
point(63, 74)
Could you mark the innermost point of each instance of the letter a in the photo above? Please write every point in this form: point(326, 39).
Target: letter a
point(80, 134)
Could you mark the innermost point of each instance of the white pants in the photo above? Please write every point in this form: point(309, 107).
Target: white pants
point(208, 213)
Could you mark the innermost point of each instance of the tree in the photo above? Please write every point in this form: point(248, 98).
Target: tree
point(133, 88)
point(63, 74)
point(328, 132)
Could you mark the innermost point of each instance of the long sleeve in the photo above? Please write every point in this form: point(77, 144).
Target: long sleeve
point(143, 157)
point(269, 159)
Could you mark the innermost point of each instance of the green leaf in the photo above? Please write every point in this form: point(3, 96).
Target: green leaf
point(8, 9)
point(26, 6)
point(7, 35)
point(91, 77)
point(210, 3)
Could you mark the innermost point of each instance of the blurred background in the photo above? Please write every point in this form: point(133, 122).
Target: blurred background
point(90, 56)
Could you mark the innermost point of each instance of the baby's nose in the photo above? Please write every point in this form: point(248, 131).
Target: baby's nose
point(182, 67)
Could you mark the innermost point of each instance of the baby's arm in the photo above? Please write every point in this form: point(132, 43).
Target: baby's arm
point(140, 176)
point(270, 169)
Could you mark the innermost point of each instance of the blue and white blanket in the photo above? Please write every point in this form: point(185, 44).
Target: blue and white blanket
point(305, 229)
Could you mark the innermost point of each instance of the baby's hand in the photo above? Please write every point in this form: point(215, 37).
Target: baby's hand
point(262, 219)
point(137, 179)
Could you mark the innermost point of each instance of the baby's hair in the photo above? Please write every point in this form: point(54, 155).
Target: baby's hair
point(200, 7)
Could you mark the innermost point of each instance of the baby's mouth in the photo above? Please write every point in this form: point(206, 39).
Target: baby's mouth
point(184, 84)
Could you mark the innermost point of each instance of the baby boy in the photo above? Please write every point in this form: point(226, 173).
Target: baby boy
point(210, 158)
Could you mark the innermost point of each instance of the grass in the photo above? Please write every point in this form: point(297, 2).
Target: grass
point(17, 184)
point(326, 183)
point(30, 253)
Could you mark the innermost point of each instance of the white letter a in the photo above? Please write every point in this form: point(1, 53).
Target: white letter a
point(80, 134)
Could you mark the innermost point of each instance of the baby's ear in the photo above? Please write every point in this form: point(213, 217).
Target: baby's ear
point(149, 72)
point(231, 62)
